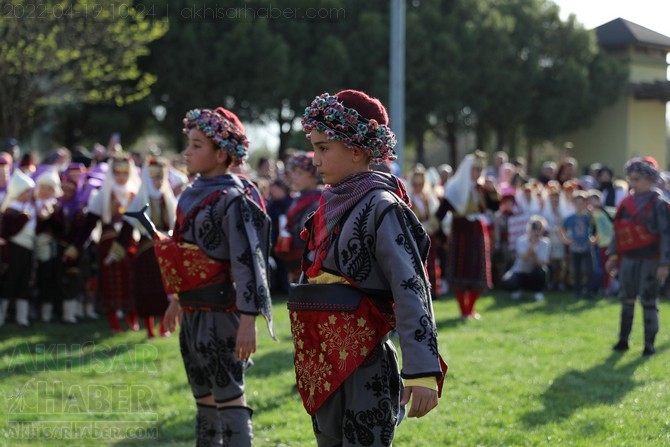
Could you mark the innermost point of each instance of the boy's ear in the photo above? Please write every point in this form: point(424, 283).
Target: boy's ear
point(358, 155)
point(221, 155)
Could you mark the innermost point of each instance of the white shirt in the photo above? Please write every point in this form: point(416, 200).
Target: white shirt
point(541, 254)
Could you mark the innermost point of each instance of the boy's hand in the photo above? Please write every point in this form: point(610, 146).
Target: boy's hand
point(172, 316)
point(662, 273)
point(246, 337)
point(423, 400)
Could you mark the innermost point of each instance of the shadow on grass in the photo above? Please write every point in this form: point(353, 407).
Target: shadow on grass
point(604, 384)
point(554, 303)
point(88, 346)
point(272, 363)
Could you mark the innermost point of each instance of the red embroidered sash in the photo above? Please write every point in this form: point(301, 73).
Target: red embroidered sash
point(331, 343)
point(629, 233)
point(185, 266)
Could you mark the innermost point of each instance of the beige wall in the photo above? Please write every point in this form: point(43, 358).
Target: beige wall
point(646, 135)
point(630, 127)
point(647, 68)
point(605, 141)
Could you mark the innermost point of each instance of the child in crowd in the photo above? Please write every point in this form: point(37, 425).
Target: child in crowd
point(530, 269)
point(604, 229)
point(425, 202)
point(306, 184)
point(503, 254)
point(553, 215)
point(155, 191)
point(278, 202)
point(219, 250)
point(107, 206)
point(49, 266)
point(18, 230)
point(578, 233)
point(363, 275)
point(640, 251)
point(71, 215)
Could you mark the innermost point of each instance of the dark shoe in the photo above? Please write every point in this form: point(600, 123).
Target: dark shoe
point(621, 346)
point(648, 351)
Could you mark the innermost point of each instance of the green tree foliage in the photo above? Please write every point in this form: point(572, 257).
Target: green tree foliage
point(508, 68)
point(71, 52)
point(265, 60)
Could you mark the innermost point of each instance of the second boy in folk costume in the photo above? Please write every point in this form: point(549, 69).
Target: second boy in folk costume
point(363, 275)
point(641, 247)
point(223, 231)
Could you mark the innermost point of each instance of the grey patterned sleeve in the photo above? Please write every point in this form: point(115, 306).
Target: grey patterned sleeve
point(248, 231)
point(401, 246)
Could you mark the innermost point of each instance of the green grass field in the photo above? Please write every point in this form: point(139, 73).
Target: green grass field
point(526, 374)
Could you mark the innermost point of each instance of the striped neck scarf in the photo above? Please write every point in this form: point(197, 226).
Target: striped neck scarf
point(337, 200)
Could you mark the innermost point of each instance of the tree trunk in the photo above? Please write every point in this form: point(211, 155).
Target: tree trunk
point(420, 147)
point(500, 139)
point(451, 142)
point(283, 138)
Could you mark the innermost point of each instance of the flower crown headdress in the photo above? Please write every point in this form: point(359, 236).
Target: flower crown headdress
point(328, 115)
point(302, 160)
point(223, 132)
point(642, 167)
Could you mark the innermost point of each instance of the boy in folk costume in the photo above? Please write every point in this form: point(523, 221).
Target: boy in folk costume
point(223, 233)
point(151, 298)
point(306, 183)
point(469, 196)
point(641, 247)
point(18, 230)
point(114, 261)
point(364, 275)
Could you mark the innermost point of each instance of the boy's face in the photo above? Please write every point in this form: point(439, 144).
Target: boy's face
point(639, 183)
point(580, 203)
point(302, 180)
point(334, 161)
point(200, 156)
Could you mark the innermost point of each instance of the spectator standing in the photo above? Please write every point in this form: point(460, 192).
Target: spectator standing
point(578, 233)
